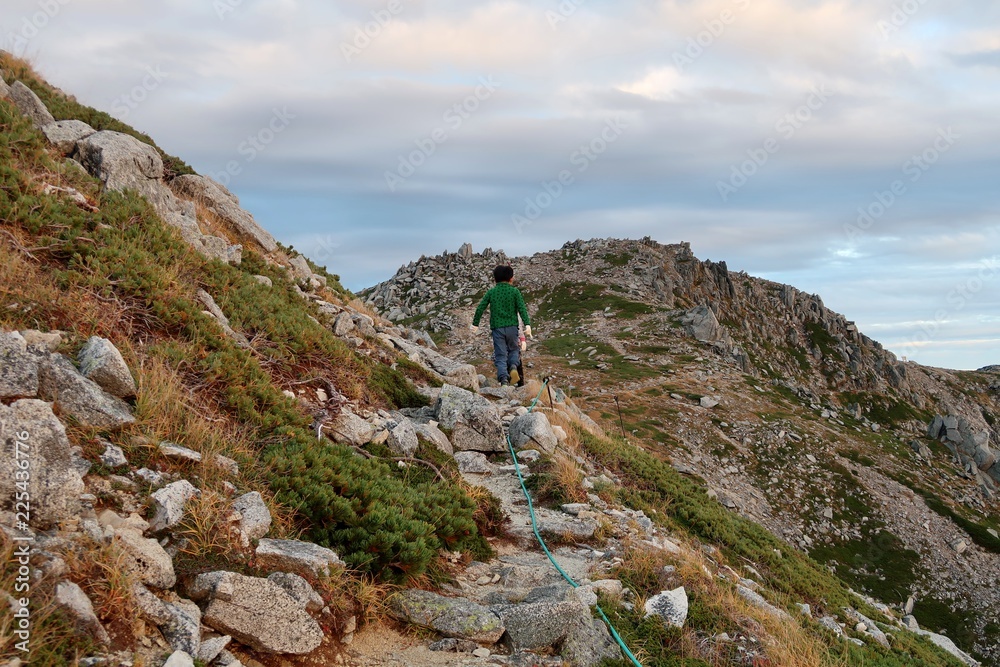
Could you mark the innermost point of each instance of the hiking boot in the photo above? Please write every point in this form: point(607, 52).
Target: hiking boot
point(515, 378)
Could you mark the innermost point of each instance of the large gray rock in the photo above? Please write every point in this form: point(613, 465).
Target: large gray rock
point(101, 362)
point(224, 205)
point(255, 517)
point(533, 431)
point(403, 438)
point(183, 627)
point(146, 559)
point(474, 422)
point(29, 431)
point(122, 162)
point(350, 429)
point(18, 367)
point(169, 503)
point(671, 606)
point(452, 617)
point(71, 597)
point(540, 625)
point(4, 89)
point(257, 613)
point(701, 323)
point(303, 558)
point(63, 134)
point(29, 104)
point(80, 398)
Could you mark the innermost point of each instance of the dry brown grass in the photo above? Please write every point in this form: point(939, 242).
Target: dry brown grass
point(358, 593)
point(206, 531)
point(101, 571)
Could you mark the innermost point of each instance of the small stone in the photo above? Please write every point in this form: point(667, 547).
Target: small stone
point(671, 606)
point(113, 456)
point(174, 451)
point(482, 653)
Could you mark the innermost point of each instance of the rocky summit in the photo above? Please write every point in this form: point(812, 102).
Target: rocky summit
point(214, 454)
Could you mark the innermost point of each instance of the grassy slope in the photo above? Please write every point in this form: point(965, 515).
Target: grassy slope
point(121, 273)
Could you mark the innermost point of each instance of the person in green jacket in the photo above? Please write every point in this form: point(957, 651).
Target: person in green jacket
point(505, 303)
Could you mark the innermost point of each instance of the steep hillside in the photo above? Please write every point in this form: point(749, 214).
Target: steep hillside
point(882, 470)
point(216, 455)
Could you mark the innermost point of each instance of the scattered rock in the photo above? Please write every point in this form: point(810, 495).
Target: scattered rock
point(146, 558)
point(183, 629)
point(169, 503)
point(472, 462)
point(758, 601)
point(671, 606)
point(255, 517)
point(299, 589)
point(60, 383)
point(225, 206)
point(474, 422)
point(350, 429)
point(452, 617)
point(257, 613)
point(296, 556)
point(179, 453)
point(403, 438)
point(71, 597)
point(101, 362)
point(212, 647)
point(533, 431)
point(179, 659)
point(54, 485)
point(29, 104)
point(63, 134)
point(113, 456)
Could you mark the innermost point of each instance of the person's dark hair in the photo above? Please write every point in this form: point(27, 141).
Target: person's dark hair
point(502, 274)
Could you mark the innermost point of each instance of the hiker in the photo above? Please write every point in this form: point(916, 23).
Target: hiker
point(505, 303)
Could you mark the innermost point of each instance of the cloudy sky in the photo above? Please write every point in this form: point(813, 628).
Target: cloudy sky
point(850, 148)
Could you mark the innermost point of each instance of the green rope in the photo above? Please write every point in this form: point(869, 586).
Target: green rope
point(545, 548)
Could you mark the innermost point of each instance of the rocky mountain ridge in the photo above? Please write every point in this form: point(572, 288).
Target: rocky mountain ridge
point(754, 386)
